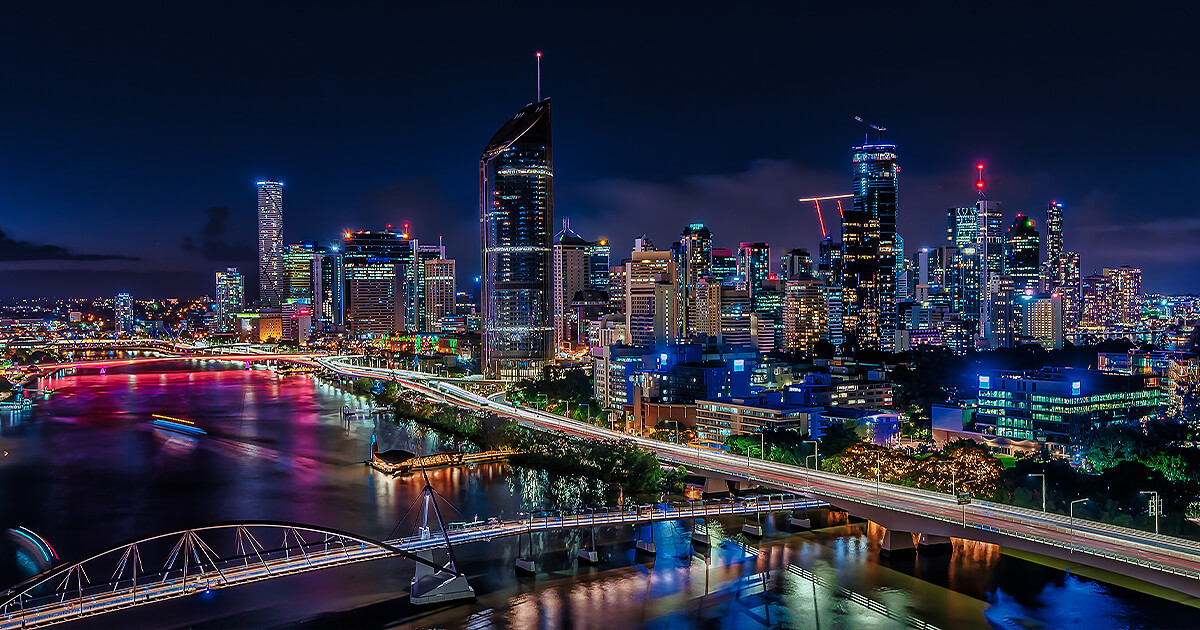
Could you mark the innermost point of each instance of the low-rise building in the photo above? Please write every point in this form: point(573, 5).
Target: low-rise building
point(719, 418)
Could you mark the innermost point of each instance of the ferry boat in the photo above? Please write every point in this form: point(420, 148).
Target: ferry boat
point(178, 425)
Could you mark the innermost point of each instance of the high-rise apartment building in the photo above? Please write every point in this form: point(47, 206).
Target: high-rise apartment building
point(1042, 320)
point(735, 316)
point(805, 313)
point(1066, 282)
point(1095, 306)
point(869, 247)
point(1125, 294)
point(989, 241)
point(439, 292)
point(123, 314)
point(231, 299)
point(830, 262)
point(1022, 255)
point(516, 215)
point(270, 243)
point(572, 272)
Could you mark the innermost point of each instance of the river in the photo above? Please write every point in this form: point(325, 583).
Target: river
point(86, 471)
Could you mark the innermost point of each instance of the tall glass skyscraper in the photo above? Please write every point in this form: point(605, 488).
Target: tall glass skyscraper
point(516, 217)
point(869, 242)
point(123, 314)
point(270, 243)
point(695, 262)
point(754, 268)
point(1054, 231)
point(962, 226)
point(1022, 253)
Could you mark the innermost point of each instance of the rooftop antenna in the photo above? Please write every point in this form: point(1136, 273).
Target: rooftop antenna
point(538, 54)
point(979, 181)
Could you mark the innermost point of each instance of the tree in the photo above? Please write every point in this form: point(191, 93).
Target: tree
point(836, 438)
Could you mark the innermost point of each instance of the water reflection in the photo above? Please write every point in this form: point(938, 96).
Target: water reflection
point(86, 472)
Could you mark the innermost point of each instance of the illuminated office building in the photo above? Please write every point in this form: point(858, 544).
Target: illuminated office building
point(599, 257)
point(694, 263)
point(805, 313)
point(1022, 255)
point(375, 270)
point(1042, 320)
point(1065, 282)
point(829, 262)
point(724, 266)
point(299, 262)
point(754, 268)
point(270, 243)
point(1095, 308)
point(795, 261)
point(869, 247)
point(439, 292)
point(231, 299)
point(962, 226)
point(516, 215)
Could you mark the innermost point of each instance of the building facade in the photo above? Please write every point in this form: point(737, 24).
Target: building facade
point(516, 215)
point(231, 299)
point(270, 243)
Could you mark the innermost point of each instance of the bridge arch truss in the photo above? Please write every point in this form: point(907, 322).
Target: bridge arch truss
point(184, 562)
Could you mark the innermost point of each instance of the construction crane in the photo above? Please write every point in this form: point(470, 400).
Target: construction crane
point(879, 129)
point(817, 202)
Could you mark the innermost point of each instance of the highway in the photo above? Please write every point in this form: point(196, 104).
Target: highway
point(1058, 534)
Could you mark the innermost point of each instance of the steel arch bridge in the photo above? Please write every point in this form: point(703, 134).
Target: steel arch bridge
point(130, 575)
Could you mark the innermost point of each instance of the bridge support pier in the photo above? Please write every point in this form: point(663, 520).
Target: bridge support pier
point(802, 523)
point(754, 528)
point(896, 542)
point(933, 543)
point(430, 586)
point(700, 532)
point(645, 545)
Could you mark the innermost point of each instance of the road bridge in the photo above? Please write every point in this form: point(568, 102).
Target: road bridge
point(905, 512)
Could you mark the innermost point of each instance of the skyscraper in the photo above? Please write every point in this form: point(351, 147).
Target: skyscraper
point(805, 315)
point(1054, 230)
point(1094, 295)
point(231, 298)
point(375, 268)
point(298, 266)
point(1125, 293)
point(599, 257)
point(516, 215)
point(830, 262)
point(328, 281)
point(572, 273)
point(989, 242)
point(869, 246)
point(123, 314)
point(754, 268)
point(695, 262)
point(795, 261)
point(724, 265)
point(1066, 283)
point(962, 226)
point(439, 292)
point(270, 243)
point(1022, 254)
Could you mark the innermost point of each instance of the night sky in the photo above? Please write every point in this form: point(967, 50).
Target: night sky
point(132, 137)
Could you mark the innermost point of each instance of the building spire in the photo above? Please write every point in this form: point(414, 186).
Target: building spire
point(538, 54)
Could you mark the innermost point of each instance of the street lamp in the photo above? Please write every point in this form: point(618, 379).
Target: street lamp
point(1155, 507)
point(1043, 476)
point(1072, 521)
point(816, 451)
point(877, 473)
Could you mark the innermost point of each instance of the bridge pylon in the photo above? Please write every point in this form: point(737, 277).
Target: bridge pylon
point(436, 586)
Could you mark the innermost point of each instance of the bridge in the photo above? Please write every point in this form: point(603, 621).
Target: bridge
point(911, 516)
point(51, 368)
point(182, 563)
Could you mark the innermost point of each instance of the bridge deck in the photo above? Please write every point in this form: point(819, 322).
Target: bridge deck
point(248, 568)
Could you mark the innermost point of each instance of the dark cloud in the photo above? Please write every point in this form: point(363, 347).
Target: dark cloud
point(13, 250)
point(213, 244)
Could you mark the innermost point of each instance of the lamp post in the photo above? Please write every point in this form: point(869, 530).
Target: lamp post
point(1072, 521)
point(1043, 476)
point(1155, 507)
point(878, 473)
point(816, 451)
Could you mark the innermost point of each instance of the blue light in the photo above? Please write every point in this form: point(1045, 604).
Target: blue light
point(1075, 388)
point(739, 365)
point(985, 382)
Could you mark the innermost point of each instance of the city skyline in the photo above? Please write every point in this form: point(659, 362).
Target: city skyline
point(687, 172)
